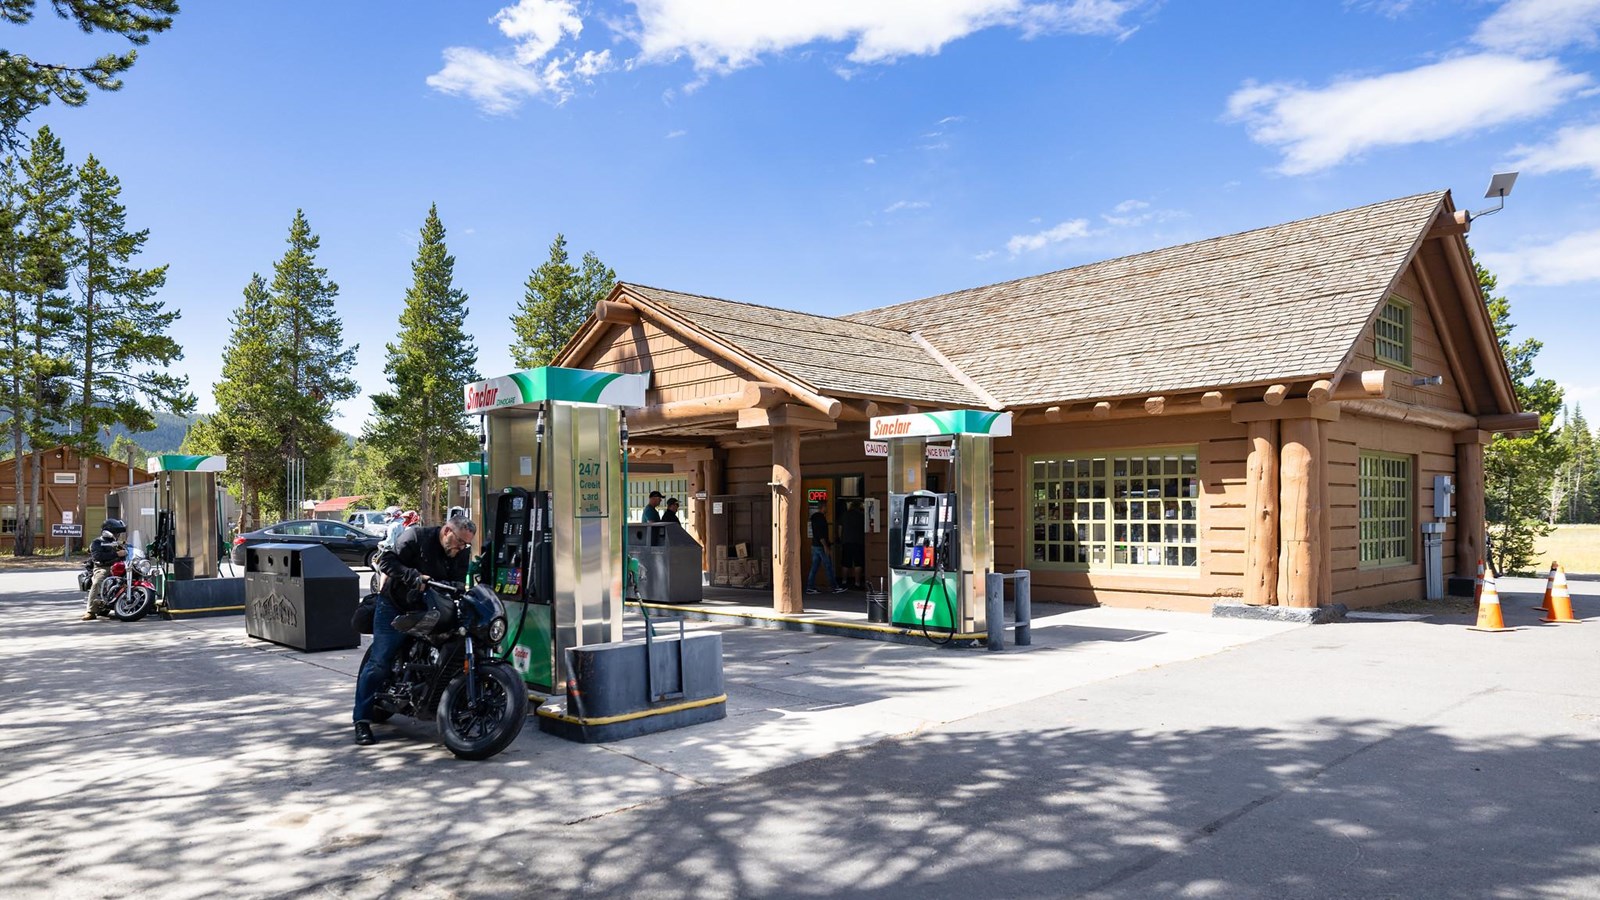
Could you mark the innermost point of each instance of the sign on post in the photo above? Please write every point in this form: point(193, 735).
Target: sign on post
point(61, 530)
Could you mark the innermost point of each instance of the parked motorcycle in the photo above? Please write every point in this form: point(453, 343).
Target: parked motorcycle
point(478, 701)
point(114, 594)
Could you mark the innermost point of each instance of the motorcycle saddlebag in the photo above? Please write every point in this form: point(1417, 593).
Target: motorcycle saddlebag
point(365, 612)
point(85, 579)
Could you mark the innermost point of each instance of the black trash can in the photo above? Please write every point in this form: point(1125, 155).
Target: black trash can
point(183, 568)
point(877, 606)
point(300, 596)
point(669, 563)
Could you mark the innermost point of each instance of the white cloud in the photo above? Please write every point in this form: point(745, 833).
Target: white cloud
point(725, 35)
point(678, 133)
point(1540, 26)
point(499, 81)
point(899, 205)
point(870, 161)
point(1066, 231)
point(1572, 259)
point(948, 120)
point(1574, 147)
point(1391, 9)
point(1317, 128)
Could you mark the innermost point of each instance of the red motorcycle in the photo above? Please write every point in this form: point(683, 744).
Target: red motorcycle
point(125, 602)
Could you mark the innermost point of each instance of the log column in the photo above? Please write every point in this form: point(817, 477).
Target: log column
point(1324, 534)
point(1300, 514)
point(787, 523)
point(1261, 503)
point(1471, 508)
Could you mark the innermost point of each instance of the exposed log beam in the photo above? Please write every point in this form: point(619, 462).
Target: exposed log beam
point(1395, 411)
point(1320, 392)
point(1510, 423)
point(858, 410)
point(1101, 410)
point(1299, 408)
point(613, 313)
point(1155, 406)
point(1363, 385)
point(1275, 394)
point(1212, 400)
point(702, 410)
point(790, 415)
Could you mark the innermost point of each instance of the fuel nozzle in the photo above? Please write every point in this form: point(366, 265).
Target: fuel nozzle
point(538, 425)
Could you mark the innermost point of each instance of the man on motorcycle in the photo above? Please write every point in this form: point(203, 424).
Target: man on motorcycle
point(104, 551)
point(421, 554)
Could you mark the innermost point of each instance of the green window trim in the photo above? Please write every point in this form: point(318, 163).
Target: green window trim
point(1132, 511)
point(1391, 333)
point(1387, 510)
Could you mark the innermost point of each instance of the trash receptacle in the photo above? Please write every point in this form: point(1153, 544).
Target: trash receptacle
point(300, 596)
point(669, 563)
point(877, 606)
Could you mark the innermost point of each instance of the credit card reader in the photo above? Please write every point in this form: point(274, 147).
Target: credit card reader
point(521, 554)
point(924, 532)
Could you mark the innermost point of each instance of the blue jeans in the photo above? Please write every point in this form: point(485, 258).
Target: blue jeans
point(386, 643)
point(820, 559)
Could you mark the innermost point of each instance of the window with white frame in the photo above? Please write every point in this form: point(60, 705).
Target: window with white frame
point(1123, 509)
point(1385, 509)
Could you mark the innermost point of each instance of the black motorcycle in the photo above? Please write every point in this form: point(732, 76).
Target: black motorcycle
point(478, 700)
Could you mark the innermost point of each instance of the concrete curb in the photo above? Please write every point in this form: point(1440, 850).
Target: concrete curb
point(1309, 615)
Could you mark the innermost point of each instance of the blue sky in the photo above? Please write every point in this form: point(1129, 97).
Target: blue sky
point(831, 155)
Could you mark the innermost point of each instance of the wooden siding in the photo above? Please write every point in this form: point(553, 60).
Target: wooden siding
point(678, 371)
point(1433, 453)
point(1427, 354)
point(105, 475)
point(1222, 450)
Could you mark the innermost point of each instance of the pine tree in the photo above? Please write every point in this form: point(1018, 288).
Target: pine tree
point(1518, 471)
point(556, 299)
point(27, 84)
point(1575, 489)
point(252, 386)
point(45, 192)
point(316, 363)
point(121, 329)
point(421, 422)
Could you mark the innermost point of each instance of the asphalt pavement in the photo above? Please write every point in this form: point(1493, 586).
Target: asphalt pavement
point(1127, 754)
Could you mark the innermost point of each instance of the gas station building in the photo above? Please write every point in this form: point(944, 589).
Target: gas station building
point(1289, 416)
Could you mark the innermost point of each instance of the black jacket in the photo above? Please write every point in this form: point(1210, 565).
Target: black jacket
point(104, 552)
point(418, 553)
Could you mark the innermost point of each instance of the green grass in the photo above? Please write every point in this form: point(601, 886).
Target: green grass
point(1576, 547)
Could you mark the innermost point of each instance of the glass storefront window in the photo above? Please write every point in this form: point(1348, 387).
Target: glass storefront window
point(1123, 511)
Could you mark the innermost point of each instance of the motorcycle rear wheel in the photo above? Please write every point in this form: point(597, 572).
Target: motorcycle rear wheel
point(479, 731)
point(131, 606)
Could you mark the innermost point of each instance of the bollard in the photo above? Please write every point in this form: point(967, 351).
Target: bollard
point(1024, 601)
point(995, 609)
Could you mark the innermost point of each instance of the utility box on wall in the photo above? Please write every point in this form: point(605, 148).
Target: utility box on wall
point(1444, 492)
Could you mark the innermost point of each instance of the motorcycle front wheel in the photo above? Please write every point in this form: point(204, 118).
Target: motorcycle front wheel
point(131, 606)
point(482, 729)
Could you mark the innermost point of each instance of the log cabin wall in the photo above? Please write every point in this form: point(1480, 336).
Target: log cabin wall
point(1222, 450)
point(677, 370)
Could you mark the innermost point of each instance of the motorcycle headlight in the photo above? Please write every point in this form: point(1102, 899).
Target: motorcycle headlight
point(497, 629)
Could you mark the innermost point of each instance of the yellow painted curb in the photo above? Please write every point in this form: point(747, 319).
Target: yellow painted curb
point(831, 623)
point(628, 717)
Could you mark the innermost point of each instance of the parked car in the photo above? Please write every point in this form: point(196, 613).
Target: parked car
point(352, 545)
point(372, 521)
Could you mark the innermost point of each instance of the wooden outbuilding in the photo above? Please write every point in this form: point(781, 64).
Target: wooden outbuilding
point(58, 494)
point(1256, 417)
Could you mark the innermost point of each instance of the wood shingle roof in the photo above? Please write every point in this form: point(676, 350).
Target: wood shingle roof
point(830, 356)
point(1275, 304)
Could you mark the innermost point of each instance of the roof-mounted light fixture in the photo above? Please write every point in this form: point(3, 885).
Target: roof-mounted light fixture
point(1499, 189)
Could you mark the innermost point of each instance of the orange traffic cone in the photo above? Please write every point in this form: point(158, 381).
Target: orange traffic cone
point(1549, 586)
point(1489, 617)
point(1561, 602)
point(1477, 582)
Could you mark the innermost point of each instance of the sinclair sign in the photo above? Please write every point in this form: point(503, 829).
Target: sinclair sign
point(936, 424)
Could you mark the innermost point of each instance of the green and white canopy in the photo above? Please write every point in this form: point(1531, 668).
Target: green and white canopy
point(176, 462)
point(461, 469)
point(944, 422)
point(552, 383)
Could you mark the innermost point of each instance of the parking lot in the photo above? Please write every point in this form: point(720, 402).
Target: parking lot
point(1132, 753)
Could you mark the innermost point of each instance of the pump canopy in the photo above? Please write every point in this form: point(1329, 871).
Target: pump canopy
point(939, 424)
point(553, 383)
point(174, 462)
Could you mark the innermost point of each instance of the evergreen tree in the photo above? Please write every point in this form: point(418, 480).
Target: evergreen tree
point(13, 298)
point(1518, 471)
point(1576, 488)
point(421, 422)
point(27, 84)
point(316, 364)
point(556, 299)
point(120, 329)
point(45, 192)
point(252, 386)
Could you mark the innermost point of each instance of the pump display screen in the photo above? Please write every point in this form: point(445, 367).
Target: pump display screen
point(926, 528)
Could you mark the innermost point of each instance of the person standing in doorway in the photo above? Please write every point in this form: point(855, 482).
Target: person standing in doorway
point(652, 509)
point(820, 557)
point(853, 545)
point(671, 515)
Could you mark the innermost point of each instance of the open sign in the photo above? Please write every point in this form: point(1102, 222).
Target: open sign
point(819, 496)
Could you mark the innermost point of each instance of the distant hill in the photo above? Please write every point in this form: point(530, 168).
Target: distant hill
point(166, 437)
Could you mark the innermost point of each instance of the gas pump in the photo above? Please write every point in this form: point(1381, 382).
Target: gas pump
point(941, 544)
point(554, 510)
